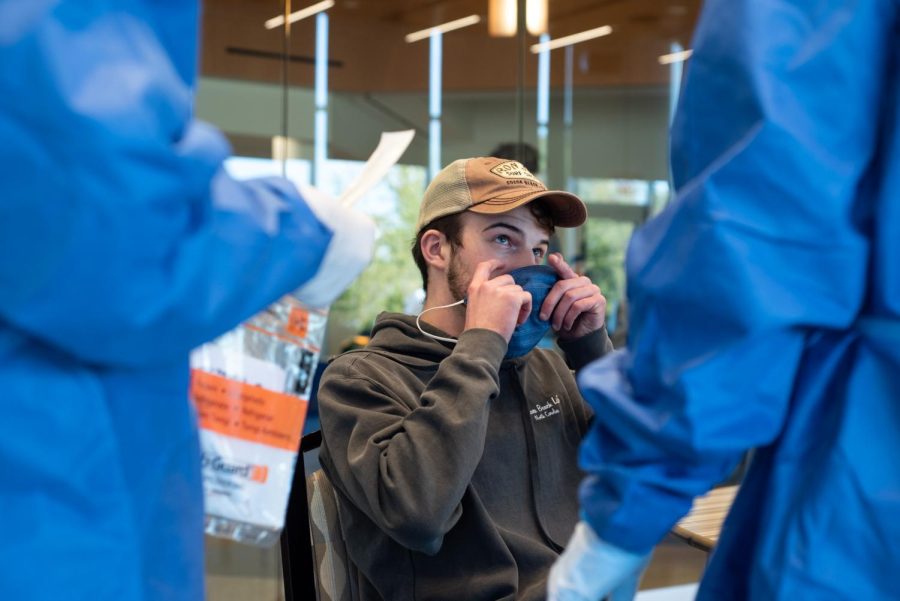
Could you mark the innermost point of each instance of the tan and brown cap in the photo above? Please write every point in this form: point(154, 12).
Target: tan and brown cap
point(488, 185)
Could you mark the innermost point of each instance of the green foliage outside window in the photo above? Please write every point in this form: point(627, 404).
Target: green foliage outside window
point(392, 278)
point(606, 241)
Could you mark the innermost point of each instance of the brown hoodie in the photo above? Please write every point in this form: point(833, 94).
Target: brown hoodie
point(455, 469)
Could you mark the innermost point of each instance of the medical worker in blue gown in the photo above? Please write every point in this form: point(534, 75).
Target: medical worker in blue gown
point(765, 313)
point(123, 244)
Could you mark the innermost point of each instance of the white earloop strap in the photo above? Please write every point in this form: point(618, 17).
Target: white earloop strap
point(441, 338)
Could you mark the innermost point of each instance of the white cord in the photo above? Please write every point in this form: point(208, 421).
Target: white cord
point(441, 338)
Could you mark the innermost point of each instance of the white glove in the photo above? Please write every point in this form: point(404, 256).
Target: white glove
point(590, 569)
point(349, 252)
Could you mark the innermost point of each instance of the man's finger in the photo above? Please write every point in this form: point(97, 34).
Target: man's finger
point(524, 308)
point(503, 280)
point(564, 270)
point(567, 301)
point(556, 293)
point(483, 272)
point(578, 308)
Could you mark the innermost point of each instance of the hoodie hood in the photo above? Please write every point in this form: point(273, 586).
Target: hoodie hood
point(396, 335)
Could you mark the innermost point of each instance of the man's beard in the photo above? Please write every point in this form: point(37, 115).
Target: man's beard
point(457, 278)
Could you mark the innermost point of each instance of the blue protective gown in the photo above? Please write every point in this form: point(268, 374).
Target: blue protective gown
point(122, 246)
point(766, 311)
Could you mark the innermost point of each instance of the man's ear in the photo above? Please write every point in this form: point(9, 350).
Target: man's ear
point(435, 249)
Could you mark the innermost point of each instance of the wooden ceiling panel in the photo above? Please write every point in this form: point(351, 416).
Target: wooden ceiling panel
point(368, 53)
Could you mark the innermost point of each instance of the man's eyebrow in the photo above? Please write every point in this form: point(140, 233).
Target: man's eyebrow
point(502, 224)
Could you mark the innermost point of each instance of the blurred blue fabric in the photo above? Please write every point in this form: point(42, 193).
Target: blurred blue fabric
point(123, 245)
point(765, 311)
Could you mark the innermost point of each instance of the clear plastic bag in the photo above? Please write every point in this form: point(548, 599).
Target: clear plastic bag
point(251, 389)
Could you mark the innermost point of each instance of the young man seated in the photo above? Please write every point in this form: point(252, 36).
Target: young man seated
point(450, 442)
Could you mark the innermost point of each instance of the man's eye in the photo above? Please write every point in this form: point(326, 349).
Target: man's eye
point(502, 239)
point(538, 253)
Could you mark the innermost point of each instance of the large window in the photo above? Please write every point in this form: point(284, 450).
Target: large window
point(392, 282)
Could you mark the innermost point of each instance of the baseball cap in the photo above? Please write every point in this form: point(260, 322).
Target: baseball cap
point(489, 185)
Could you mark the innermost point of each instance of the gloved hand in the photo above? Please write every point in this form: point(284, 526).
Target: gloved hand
point(349, 252)
point(589, 569)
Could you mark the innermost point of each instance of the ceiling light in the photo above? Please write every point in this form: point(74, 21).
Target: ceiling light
point(300, 14)
point(450, 26)
point(503, 17)
point(568, 40)
point(536, 16)
point(675, 57)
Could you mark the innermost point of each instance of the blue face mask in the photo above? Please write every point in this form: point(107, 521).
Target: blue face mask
point(535, 279)
point(538, 280)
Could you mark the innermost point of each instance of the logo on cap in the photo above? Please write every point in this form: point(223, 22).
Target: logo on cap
point(512, 170)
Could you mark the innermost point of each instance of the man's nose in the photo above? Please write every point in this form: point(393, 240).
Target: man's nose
point(522, 259)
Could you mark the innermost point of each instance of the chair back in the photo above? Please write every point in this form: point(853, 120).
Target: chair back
point(334, 571)
point(313, 551)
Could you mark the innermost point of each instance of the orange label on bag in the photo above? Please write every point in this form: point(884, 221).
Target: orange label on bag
point(248, 412)
point(298, 322)
point(259, 473)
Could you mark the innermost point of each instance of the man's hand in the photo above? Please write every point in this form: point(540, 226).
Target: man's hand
point(575, 306)
point(497, 304)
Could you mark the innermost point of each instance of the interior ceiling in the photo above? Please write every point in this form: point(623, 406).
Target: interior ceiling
point(368, 54)
point(426, 13)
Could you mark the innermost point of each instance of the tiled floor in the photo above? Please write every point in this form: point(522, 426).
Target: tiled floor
point(674, 562)
point(236, 572)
